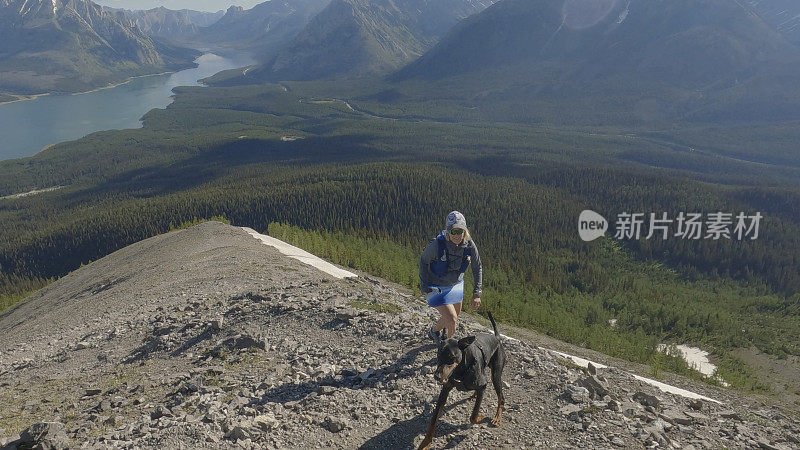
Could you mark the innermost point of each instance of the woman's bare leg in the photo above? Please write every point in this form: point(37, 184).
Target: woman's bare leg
point(457, 308)
point(448, 318)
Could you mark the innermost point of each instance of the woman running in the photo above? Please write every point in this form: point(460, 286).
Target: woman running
point(441, 272)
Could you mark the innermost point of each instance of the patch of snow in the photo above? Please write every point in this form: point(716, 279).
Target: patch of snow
point(624, 14)
point(29, 193)
point(695, 357)
point(662, 386)
point(502, 336)
point(300, 255)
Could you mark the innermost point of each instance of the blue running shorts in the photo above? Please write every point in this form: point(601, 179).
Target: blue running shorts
point(445, 295)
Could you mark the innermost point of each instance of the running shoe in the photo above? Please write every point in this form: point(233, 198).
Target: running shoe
point(435, 336)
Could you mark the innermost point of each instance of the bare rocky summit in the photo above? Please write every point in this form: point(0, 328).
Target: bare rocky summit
point(206, 338)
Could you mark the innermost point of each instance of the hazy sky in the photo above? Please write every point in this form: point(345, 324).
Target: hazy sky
point(197, 5)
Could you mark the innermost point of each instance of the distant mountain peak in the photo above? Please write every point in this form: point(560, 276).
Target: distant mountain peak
point(689, 42)
point(73, 45)
point(262, 28)
point(361, 37)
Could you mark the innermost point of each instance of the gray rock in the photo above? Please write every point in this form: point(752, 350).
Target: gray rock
point(729, 414)
point(675, 417)
point(570, 410)
point(111, 421)
point(576, 394)
point(104, 406)
point(696, 404)
point(265, 422)
point(159, 412)
point(744, 430)
point(766, 445)
point(647, 399)
point(632, 410)
point(238, 432)
point(596, 387)
point(347, 313)
point(335, 424)
point(368, 373)
point(45, 435)
point(246, 341)
point(617, 441)
point(697, 417)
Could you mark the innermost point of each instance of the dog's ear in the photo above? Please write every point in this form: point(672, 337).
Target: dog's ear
point(466, 342)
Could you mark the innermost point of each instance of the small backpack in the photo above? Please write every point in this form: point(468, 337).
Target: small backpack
point(439, 267)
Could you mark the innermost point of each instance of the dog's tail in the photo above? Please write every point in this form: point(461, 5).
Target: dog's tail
point(494, 324)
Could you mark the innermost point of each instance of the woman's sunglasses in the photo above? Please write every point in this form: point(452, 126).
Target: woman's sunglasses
point(456, 231)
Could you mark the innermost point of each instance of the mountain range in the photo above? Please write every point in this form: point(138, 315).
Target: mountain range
point(75, 45)
point(261, 29)
point(566, 61)
point(175, 25)
point(784, 15)
point(692, 44)
point(360, 37)
point(686, 56)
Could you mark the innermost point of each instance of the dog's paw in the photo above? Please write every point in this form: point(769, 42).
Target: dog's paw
point(475, 420)
point(497, 421)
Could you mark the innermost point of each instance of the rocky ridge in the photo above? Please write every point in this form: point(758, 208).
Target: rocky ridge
point(206, 338)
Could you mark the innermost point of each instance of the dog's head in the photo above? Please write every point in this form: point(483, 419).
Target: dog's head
point(449, 356)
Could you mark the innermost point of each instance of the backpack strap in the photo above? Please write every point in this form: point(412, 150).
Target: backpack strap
point(443, 259)
point(466, 259)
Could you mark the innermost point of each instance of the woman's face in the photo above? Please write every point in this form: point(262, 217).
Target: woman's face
point(456, 238)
